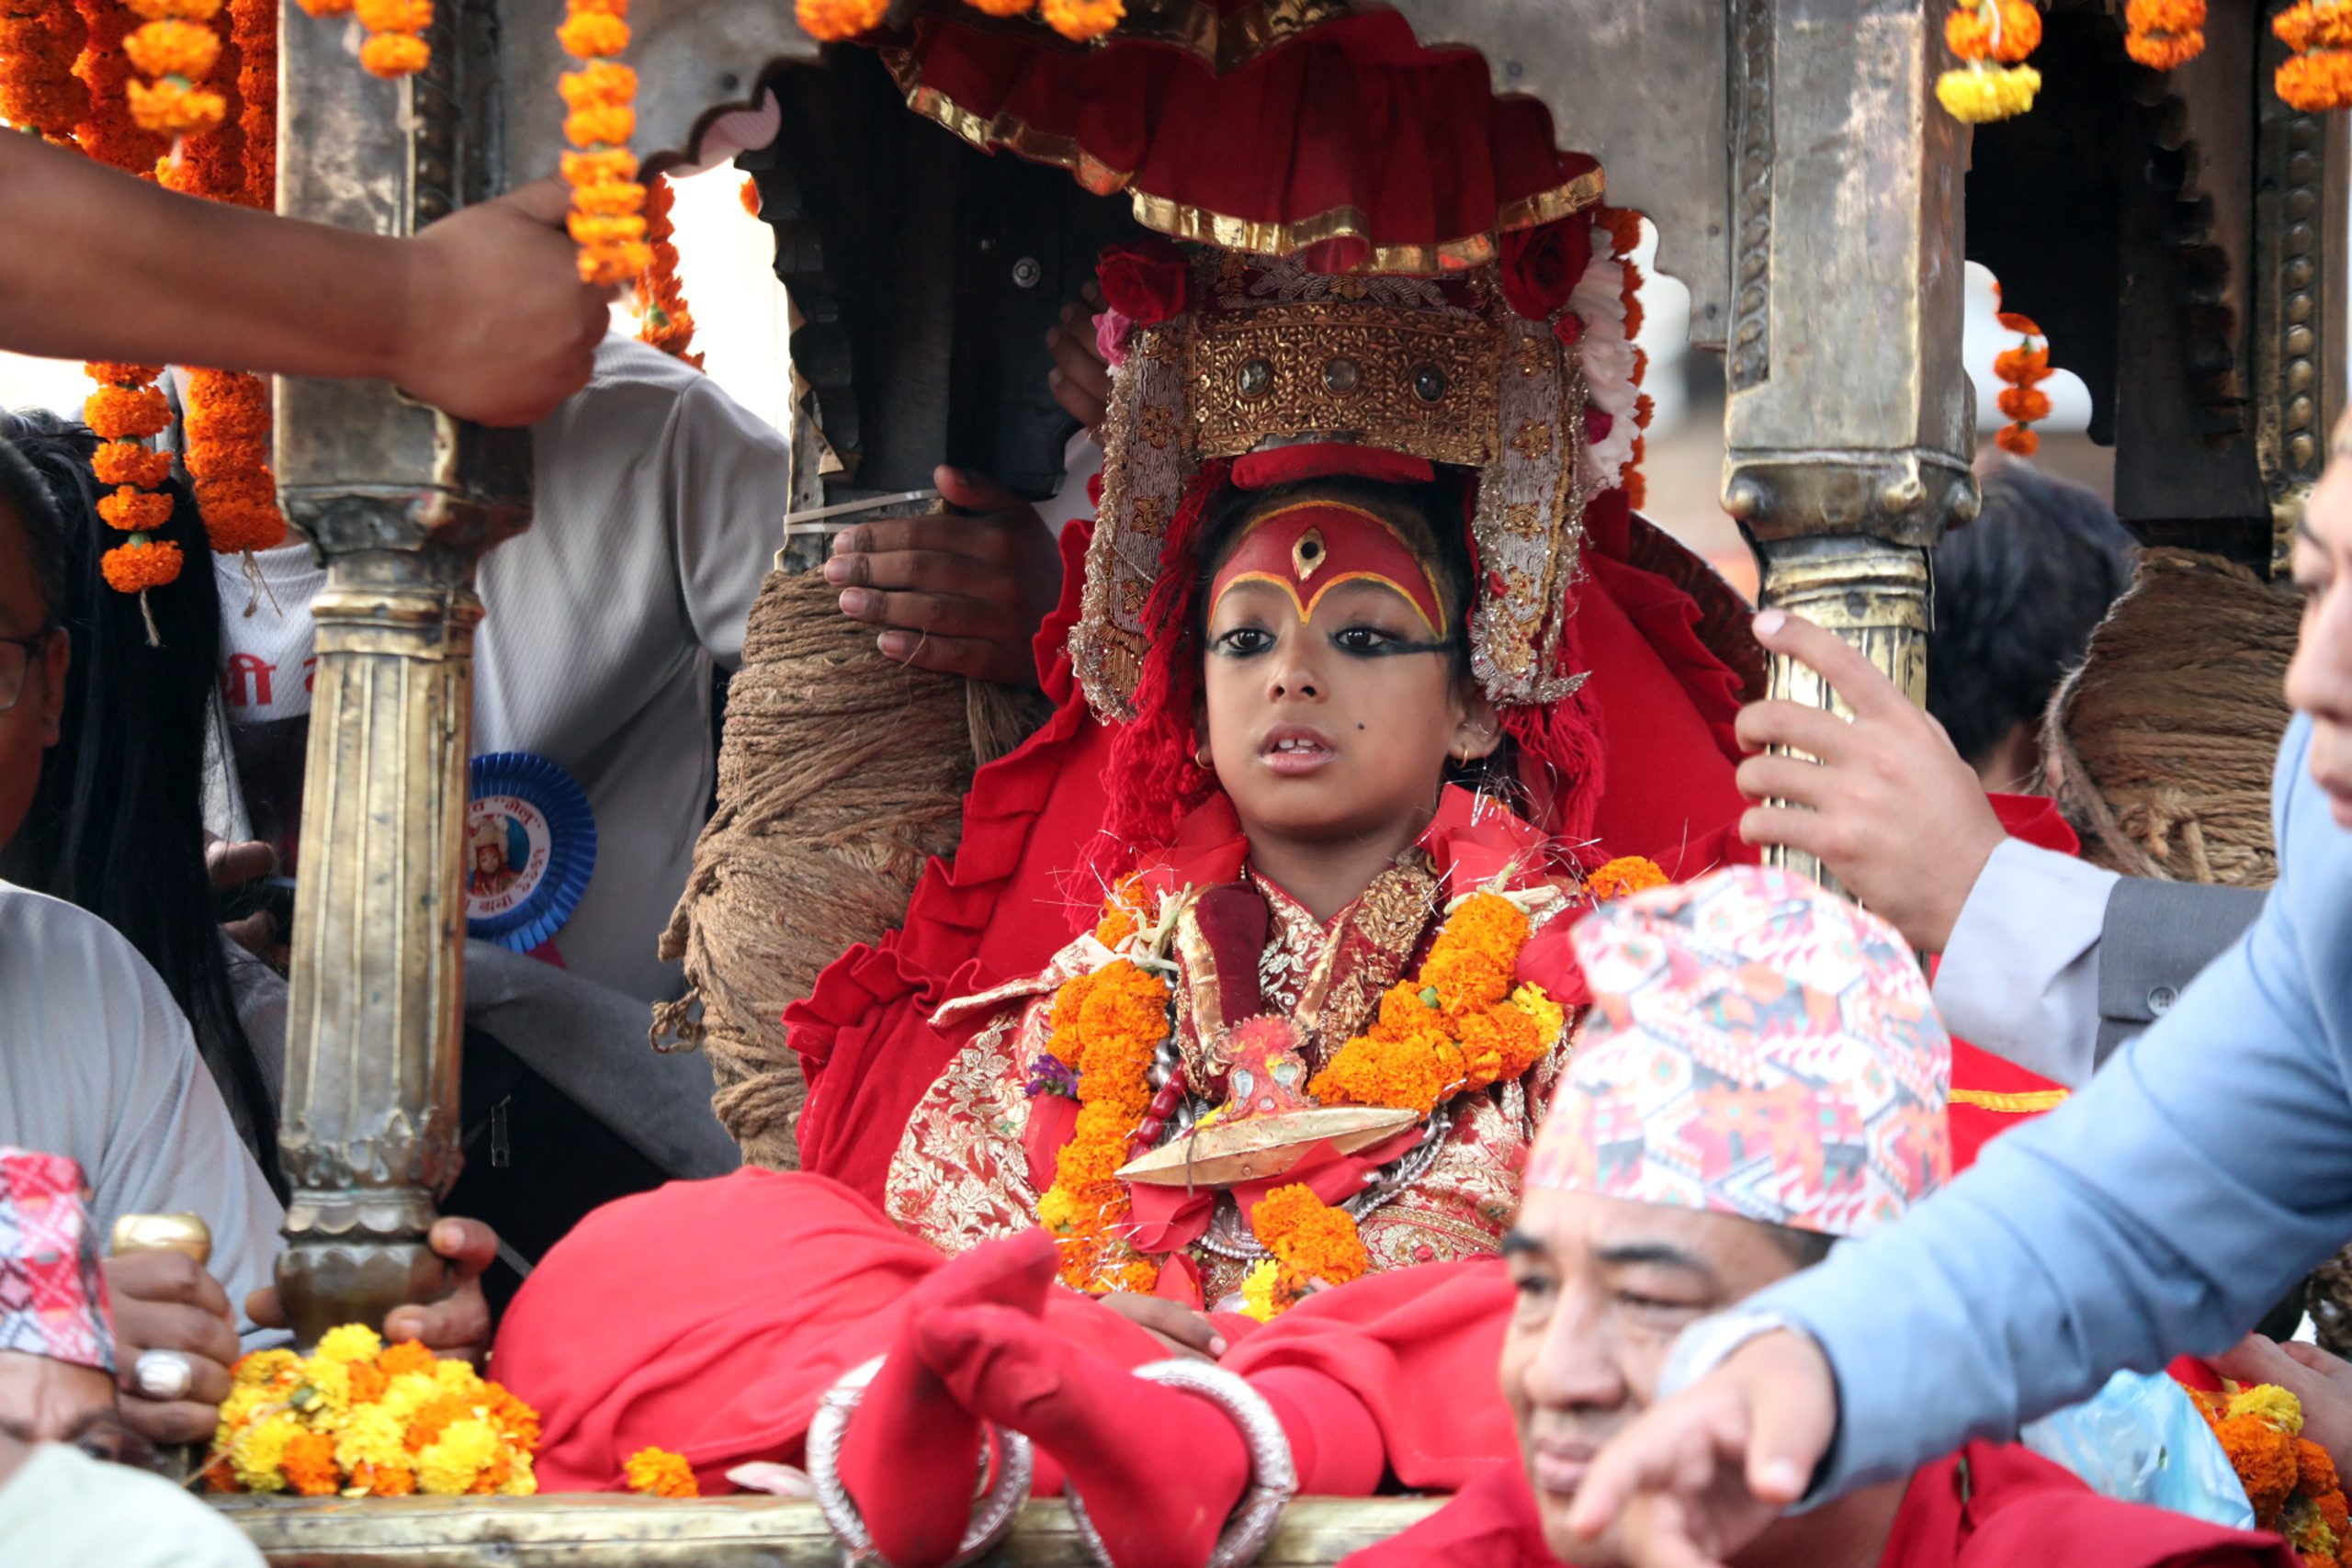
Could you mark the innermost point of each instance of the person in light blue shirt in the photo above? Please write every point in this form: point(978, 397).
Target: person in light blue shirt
point(2160, 1211)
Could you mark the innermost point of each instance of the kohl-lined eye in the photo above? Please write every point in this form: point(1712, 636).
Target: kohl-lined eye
point(1242, 642)
point(1363, 638)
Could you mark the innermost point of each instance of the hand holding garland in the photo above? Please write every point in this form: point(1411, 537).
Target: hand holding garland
point(483, 314)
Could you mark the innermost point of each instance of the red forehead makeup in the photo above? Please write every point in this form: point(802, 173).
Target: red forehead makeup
point(1311, 548)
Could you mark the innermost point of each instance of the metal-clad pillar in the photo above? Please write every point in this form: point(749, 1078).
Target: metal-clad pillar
point(1850, 423)
point(401, 501)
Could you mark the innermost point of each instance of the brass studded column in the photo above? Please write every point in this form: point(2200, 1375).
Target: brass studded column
point(401, 501)
point(1849, 429)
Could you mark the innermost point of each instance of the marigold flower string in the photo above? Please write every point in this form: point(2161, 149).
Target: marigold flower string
point(2164, 33)
point(2023, 368)
point(1624, 226)
point(126, 412)
point(176, 49)
point(608, 203)
point(111, 134)
point(2289, 1479)
point(1312, 1243)
point(2318, 76)
point(395, 46)
point(668, 320)
point(40, 40)
point(749, 196)
point(836, 21)
point(1993, 38)
point(658, 1473)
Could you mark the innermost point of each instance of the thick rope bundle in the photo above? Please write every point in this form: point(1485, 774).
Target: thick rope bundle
point(839, 775)
point(2159, 749)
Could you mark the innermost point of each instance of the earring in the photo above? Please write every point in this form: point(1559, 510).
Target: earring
point(1201, 754)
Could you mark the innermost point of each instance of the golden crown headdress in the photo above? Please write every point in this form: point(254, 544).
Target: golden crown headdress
point(1519, 370)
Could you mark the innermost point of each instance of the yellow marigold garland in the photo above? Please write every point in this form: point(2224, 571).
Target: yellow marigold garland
point(2162, 34)
point(1461, 1024)
point(2022, 370)
point(359, 1417)
point(2318, 76)
point(2289, 1479)
point(669, 320)
point(1993, 38)
point(1106, 1025)
point(836, 21)
point(607, 220)
point(658, 1473)
point(40, 40)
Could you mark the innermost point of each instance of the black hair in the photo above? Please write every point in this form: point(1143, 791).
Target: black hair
point(24, 495)
point(1436, 530)
point(117, 824)
point(2018, 593)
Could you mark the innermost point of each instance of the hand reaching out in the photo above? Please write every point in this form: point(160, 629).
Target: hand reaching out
point(1890, 807)
point(1700, 1475)
point(2323, 1382)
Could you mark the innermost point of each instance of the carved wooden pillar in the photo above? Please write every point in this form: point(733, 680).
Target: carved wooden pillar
point(401, 501)
point(1849, 429)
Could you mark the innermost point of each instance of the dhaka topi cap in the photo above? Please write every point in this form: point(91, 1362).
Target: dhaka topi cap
point(52, 1296)
point(1757, 1047)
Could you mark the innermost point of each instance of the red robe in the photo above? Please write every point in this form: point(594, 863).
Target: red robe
point(1989, 1505)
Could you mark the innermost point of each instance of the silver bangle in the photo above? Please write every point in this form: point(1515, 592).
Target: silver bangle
point(992, 1513)
point(1273, 1478)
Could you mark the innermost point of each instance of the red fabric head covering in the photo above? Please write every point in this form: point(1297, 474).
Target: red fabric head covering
point(1330, 459)
point(52, 1297)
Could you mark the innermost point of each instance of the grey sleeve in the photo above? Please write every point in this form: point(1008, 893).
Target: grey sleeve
point(2155, 938)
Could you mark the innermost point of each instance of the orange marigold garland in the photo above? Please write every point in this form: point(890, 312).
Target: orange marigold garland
point(1080, 20)
point(836, 21)
point(125, 412)
point(658, 1473)
point(228, 429)
point(110, 134)
point(177, 50)
point(395, 45)
point(1312, 1243)
point(668, 320)
point(608, 203)
point(2164, 33)
point(40, 40)
point(1461, 1024)
point(1992, 38)
point(1624, 226)
point(749, 196)
point(2023, 370)
point(253, 28)
point(1106, 1025)
point(2318, 76)
point(1624, 878)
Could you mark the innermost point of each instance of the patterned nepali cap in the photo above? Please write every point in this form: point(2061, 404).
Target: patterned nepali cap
point(52, 1297)
point(1758, 1046)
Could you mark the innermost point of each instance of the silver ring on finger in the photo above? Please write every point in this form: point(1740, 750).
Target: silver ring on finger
point(164, 1374)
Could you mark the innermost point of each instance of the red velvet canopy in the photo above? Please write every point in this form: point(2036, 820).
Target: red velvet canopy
point(1271, 127)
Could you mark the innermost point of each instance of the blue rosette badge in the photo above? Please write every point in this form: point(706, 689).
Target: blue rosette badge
point(530, 849)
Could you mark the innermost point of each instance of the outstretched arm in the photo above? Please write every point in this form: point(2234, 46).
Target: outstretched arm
point(483, 314)
point(2159, 1211)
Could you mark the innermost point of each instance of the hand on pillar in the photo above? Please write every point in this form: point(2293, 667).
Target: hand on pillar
point(165, 1300)
point(498, 328)
point(961, 594)
point(1891, 809)
point(458, 1325)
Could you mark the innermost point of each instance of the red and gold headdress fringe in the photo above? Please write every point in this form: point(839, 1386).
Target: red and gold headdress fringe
point(2023, 368)
point(2318, 76)
point(833, 21)
point(668, 320)
point(1993, 38)
point(608, 203)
